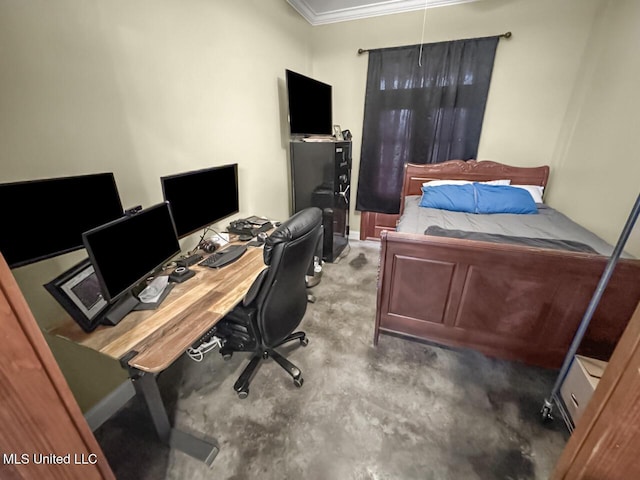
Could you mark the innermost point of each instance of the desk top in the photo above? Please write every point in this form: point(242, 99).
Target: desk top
point(160, 336)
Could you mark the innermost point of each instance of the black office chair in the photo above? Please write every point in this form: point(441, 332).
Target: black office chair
point(277, 300)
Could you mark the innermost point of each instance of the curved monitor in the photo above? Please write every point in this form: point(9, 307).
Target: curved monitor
point(199, 198)
point(45, 218)
point(127, 250)
point(310, 109)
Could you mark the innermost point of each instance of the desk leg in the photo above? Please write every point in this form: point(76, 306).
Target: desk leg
point(201, 447)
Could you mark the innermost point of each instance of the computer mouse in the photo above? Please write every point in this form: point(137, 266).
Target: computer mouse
point(245, 238)
point(262, 237)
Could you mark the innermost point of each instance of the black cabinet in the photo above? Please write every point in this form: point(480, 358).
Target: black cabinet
point(321, 177)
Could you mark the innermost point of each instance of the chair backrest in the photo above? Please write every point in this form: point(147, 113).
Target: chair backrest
point(282, 298)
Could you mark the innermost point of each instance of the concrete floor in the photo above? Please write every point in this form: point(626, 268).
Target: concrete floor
point(401, 410)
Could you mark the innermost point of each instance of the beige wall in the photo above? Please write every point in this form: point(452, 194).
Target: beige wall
point(148, 88)
point(597, 161)
point(142, 88)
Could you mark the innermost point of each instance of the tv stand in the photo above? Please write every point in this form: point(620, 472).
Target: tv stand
point(321, 177)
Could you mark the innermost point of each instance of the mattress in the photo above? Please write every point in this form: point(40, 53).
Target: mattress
point(547, 223)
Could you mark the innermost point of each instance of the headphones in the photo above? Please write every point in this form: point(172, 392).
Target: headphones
point(208, 246)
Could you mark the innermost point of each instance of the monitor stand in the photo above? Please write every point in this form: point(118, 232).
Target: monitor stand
point(156, 304)
point(119, 309)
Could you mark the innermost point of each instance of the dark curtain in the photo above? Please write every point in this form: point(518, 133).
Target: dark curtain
point(420, 114)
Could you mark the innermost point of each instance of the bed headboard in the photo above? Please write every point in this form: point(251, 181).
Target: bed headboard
point(415, 175)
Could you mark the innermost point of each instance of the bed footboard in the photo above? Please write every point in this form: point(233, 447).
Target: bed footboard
point(509, 301)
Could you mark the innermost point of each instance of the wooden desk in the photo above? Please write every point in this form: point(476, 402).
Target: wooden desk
point(191, 308)
point(147, 342)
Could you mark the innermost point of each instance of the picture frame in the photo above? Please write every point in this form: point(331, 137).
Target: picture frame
point(78, 291)
point(337, 132)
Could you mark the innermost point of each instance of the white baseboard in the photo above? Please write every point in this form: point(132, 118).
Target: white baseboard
point(110, 404)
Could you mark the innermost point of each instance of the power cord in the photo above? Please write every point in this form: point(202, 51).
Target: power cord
point(201, 240)
point(197, 354)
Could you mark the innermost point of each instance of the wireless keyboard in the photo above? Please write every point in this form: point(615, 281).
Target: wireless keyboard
point(224, 257)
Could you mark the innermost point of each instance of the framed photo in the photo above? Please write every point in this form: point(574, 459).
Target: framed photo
point(337, 132)
point(78, 291)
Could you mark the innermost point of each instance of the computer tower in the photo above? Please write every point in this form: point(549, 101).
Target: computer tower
point(321, 177)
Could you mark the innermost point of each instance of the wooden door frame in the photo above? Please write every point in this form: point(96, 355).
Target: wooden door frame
point(74, 430)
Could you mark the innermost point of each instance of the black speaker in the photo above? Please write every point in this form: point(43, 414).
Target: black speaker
point(335, 234)
point(180, 274)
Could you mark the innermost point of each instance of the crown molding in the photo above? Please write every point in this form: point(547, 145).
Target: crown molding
point(366, 11)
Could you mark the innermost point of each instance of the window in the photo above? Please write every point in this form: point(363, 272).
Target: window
point(420, 107)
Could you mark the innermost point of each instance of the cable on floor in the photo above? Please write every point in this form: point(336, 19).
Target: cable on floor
point(197, 354)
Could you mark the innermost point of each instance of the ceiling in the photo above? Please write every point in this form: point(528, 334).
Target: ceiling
point(318, 12)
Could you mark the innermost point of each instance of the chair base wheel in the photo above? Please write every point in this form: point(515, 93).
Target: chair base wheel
point(242, 394)
point(263, 353)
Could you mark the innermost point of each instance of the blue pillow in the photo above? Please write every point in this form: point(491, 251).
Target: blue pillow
point(479, 198)
point(503, 199)
point(457, 198)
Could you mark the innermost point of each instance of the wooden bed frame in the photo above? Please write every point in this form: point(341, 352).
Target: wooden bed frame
point(509, 301)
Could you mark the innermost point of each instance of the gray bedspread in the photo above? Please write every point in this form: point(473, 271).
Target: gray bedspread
point(552, 243)
point(547, 223)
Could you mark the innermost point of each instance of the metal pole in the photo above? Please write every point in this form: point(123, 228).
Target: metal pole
point(502, 35)
point(593, 304)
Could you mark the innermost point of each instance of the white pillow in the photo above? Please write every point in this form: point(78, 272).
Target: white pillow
point(498, 182)
point(437, 183)
point(535, 191)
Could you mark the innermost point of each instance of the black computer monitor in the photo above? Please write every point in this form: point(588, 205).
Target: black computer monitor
point(44, 218)
point(201, 197)
point(125, 251)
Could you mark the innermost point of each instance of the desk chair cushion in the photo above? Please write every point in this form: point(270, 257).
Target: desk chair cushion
point(298, 225)
point(254, 289)
point(289, 230)
point(282, 300)
point(277, 300)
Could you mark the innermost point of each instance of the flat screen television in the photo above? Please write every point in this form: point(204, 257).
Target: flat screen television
point(125, 251)
point(310, 107)
point(44, 218)
point(199, 198)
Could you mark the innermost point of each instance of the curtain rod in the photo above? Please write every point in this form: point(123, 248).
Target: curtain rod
point(504, 35)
